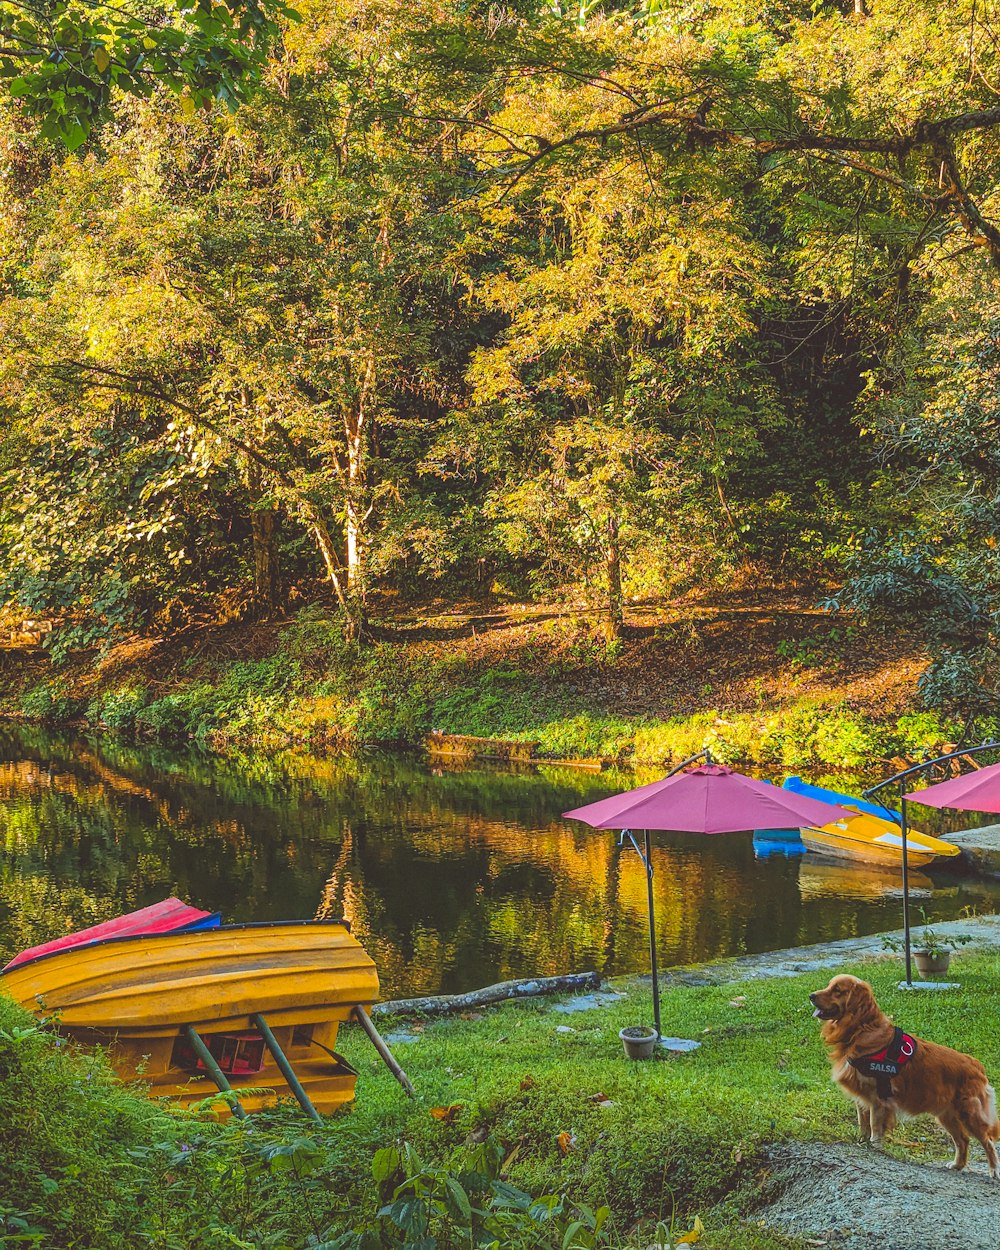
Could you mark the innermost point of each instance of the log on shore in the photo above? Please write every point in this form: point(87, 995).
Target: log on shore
point(445, 1004)
point(464, 746)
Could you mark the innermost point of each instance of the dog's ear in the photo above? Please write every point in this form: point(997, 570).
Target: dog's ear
point(861, 1000)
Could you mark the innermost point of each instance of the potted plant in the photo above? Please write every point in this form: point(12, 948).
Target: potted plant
point(638, 1041)
point(931, 951)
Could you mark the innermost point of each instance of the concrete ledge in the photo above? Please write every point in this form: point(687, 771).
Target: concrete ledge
point(985, 931)
point(980, 849)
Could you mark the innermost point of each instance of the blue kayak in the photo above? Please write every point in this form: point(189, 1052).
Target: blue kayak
point(798, 786)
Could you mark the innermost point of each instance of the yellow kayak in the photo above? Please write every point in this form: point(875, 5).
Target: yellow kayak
point(139, 995)
point(873, 840)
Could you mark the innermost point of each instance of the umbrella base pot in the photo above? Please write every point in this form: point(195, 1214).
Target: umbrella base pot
point(929, 965)
point(638, 1041)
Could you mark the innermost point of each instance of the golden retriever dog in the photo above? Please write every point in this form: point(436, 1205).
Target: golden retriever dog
point(887, 1073)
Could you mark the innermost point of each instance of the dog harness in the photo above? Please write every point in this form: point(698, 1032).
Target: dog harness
point(885, 1064)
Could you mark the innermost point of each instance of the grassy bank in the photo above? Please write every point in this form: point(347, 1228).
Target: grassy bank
point(795, 693)
point(541, 1099)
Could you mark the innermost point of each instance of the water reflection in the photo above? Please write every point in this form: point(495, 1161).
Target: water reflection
point(822, 879)
point(451, 878)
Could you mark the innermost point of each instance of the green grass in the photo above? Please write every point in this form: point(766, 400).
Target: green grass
point(676, 1136)
point(760, 1074)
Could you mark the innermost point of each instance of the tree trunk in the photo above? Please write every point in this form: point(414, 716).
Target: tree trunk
point(355, 417)
point(447, 1004)
point(352, 535)
point(350, 604)
point(265, 560)
point(263, 529)
point(616, 616)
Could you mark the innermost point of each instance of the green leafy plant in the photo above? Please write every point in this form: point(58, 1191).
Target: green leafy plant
point(928, 941)
point(434, 1207)
point(50, 701)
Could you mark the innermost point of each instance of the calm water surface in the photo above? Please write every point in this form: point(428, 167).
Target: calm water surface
point(452, 878)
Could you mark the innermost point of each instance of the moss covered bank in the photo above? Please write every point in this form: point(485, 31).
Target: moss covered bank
point(762, 686)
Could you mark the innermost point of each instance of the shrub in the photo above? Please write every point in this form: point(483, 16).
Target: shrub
point(171, 716)
point(119, 709)
point(468, 1203)
point(50, 701)
point(66, 1129)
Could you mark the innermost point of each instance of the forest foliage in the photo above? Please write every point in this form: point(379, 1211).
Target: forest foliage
point(468, 299)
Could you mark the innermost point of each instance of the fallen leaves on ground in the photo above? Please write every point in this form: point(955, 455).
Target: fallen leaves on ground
point(447, 1114)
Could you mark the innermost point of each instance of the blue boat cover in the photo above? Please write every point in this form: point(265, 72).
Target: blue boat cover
point(798, 786)
point(767, 848)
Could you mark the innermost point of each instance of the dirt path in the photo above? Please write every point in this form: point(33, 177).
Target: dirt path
point(856, 1198)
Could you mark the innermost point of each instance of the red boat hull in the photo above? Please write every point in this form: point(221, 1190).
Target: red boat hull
point(166, 917)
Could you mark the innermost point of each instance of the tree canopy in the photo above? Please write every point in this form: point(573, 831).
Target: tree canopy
point(66, 60)
point(524, 299)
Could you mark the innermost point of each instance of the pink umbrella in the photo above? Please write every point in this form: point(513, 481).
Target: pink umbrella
point(707, 799)
point(978, 791)
point(973, 792)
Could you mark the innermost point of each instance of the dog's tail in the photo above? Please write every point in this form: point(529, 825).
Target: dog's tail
point(991, 1111)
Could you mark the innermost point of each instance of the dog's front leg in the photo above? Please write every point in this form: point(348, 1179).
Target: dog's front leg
point(883, 1120)
point(864, 1121)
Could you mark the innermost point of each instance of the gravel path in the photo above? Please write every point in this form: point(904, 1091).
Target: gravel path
point(856, 1198)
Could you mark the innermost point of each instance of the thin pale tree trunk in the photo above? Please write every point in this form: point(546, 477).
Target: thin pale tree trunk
point(616, 614)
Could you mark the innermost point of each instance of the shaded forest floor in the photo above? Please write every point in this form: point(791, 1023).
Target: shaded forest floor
point(732, 649)
point(542, 671)
point(728, 648)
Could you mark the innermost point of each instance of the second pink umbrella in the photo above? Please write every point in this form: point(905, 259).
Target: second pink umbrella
point(707, 799)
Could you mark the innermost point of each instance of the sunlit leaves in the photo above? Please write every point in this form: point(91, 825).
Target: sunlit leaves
point(65, 61)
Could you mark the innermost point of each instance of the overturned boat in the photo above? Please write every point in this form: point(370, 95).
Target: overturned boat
point(252, 1010)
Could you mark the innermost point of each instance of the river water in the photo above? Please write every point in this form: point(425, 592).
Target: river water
point(451, 877)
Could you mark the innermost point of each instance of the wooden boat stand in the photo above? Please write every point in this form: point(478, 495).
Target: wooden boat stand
point(214, 1071)
point(365, 1020)
point(285, 1068)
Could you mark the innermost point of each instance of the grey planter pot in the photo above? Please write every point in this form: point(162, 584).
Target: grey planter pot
point(929, 965)
point(638, 1041)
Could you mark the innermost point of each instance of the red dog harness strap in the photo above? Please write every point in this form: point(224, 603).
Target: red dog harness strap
point(886, 1064)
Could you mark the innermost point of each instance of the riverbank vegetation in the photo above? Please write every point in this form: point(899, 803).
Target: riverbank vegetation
point(521, 1102)
point(529, 304)
point(754, 677)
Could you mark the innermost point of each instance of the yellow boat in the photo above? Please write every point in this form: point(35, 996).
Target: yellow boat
point(869, 837)
point(240, 1007)
point(873, 840)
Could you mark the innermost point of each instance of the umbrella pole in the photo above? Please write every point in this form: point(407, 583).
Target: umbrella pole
point(904, 829)
point(647, 863)
point(647, 859)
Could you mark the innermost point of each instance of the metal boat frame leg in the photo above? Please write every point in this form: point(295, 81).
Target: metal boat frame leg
point(214, 1071)
point(376, 1039)
point(286, 1069)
